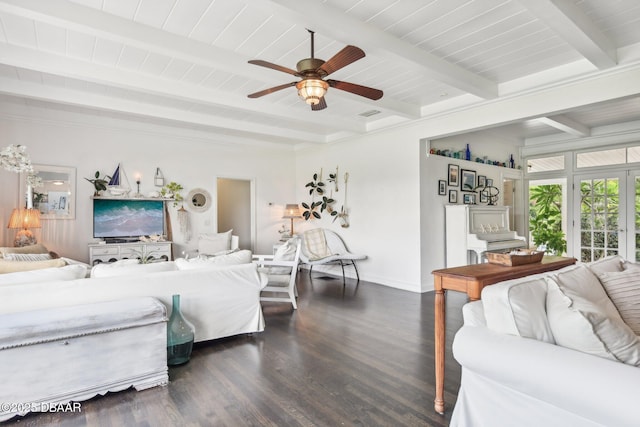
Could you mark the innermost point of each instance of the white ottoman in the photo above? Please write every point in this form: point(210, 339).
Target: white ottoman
point(64, 354)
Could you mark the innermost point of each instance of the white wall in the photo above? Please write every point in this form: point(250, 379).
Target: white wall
point(382, 199)
point(91, 143)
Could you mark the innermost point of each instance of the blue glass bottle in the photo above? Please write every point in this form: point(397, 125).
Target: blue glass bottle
point(467, 153)
point(180, 336)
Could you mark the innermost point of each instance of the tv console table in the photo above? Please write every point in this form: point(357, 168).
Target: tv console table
point(110, 252)
point(471, 279)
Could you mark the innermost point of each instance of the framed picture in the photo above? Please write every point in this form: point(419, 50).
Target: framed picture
point(453, 196)
point(489, 182)
point(55, 194)
point(482, 181)
point(442, 187)
point(453, 175)
point(468, 179)
point(484, 197)
point(469, 199)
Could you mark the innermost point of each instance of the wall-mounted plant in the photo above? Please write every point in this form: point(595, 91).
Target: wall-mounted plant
point(316, 185)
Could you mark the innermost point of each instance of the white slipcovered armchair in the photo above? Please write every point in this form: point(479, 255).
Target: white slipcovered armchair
point(281, 269)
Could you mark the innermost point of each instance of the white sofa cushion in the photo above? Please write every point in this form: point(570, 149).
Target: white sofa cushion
point(607, 264)
point(583, 318)
point(517, 307)
point(623, 287)
point(238, 257)
point(212, 244)
point(131, 267)
point(8, 266)
point(68, 272)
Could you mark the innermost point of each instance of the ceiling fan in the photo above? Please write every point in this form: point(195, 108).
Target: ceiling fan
point(313, 87)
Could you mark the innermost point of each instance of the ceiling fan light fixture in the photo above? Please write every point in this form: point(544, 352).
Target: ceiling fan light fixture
point(312, 90)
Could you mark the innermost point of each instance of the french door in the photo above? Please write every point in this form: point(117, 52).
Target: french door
point(606, 215)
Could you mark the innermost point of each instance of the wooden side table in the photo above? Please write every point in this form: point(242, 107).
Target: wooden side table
point(471, 279)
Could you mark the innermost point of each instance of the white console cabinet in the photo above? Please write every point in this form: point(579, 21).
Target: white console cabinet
point(110, 252)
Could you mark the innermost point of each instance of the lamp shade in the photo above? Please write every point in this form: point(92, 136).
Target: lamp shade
point(311, 90)
point(24, 218)
point(291, 211)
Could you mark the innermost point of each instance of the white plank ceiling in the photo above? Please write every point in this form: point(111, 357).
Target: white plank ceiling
point(184, 62)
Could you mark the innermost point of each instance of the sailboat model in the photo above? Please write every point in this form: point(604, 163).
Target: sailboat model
point(115, 186)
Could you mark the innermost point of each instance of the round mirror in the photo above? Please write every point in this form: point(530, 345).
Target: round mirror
point(199, 200)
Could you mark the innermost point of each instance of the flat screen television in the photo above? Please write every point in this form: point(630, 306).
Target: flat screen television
point(125, 219)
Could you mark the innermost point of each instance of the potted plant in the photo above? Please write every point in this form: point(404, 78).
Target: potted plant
point(172, 191)
point(99, 184)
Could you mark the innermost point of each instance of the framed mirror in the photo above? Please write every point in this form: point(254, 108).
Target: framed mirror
point(199, 200)
point(53, 192)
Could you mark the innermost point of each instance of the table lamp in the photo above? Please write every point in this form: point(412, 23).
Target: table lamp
point(24, 219)
point(291, 211)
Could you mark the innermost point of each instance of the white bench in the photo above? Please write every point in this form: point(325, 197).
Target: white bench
point(58, 355)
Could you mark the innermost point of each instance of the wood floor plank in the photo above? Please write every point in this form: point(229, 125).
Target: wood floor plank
point(352, 355)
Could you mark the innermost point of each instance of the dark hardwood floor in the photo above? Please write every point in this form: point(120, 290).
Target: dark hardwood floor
point(358, 355)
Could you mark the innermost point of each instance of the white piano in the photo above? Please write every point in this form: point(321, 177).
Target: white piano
point(473, 230)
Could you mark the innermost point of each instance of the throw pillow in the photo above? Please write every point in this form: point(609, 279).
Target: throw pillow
point(286, 252)
point(131, 267)
point(68, 272)
point(238, 257)
point(610, 263)
point(316, 244)
point(7, 266)
point(518, 307)
point(623, 287)
point(27, 257)
point(31, 249)
point(628, 265)
point(583, 318)
point(211, 244)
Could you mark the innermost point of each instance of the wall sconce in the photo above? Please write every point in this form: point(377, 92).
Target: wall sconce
point(291, 211)
point(24, 219)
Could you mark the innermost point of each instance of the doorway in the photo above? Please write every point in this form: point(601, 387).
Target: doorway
point(605, 216)
point(236, 209)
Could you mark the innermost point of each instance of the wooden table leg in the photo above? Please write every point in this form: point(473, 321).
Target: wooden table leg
point(439, 327)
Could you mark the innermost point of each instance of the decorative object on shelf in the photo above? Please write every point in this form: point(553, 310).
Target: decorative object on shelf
point(158, 179)
point(180, 336)
point(172, 191)
point(453, 175)
point(467, 153)
point(199, 200)
point(99, 184)
point(23, 219)
point(453, 196)
point(442, 187)
point(183, 221)
point(115, 186)
point(291, 211)
point(468, 182)
point(138, 181)
point(512, 163)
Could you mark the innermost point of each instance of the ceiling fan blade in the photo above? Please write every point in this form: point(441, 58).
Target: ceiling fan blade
point(320, 105)
point(273, 66)
point(343, 58)
point(367, 92)
point(271, 90)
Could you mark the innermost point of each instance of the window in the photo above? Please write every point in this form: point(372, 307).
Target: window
point(545, 164)
point(589, 159)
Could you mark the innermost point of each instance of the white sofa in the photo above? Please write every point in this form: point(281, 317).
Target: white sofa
point(220, 300)
point(547, 350)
